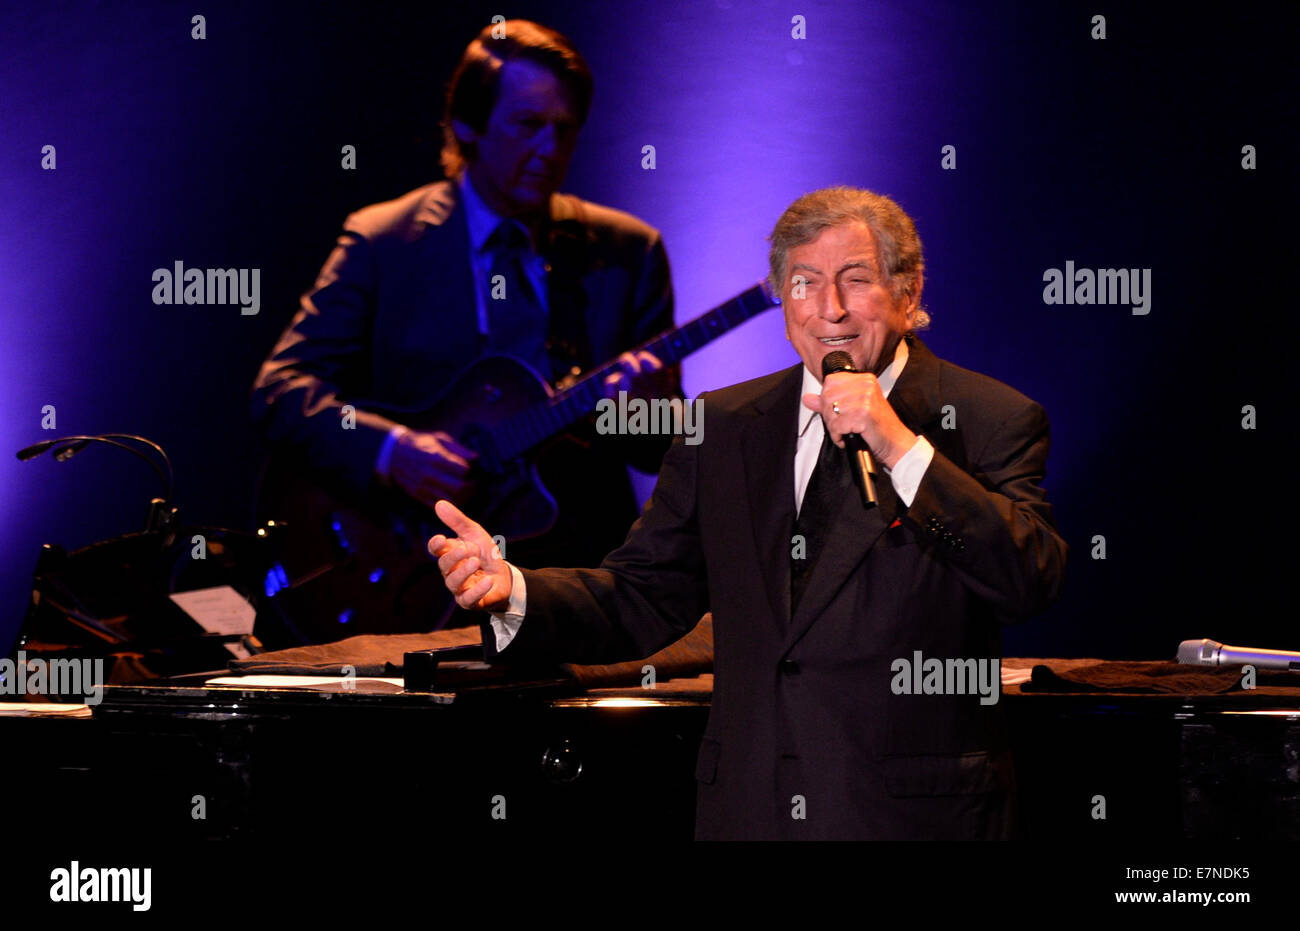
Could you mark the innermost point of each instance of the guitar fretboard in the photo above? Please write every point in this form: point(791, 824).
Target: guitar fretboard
point(521, 432)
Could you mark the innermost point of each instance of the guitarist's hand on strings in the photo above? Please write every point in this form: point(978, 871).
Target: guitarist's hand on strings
point(470, 562)
point(643, 376)
point(430, 466)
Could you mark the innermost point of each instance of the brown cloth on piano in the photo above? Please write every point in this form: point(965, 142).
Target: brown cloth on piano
point(1159, 677)
point(383, 655)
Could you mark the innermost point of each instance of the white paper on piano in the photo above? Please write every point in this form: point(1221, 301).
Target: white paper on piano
point(361, 684)
point(14, 709)
point(299, 682)
point(219, 610)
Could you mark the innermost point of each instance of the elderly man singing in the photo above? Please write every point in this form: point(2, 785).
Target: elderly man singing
point(857, 644)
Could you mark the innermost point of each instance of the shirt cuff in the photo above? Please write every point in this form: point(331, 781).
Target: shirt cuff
point(385, 460)
point(506, 625)
point(906, 476)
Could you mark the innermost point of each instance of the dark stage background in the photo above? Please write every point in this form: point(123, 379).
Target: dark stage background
point(1123, 153)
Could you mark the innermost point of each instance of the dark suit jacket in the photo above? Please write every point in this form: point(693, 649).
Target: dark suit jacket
point(802, 704)
point(392, 320)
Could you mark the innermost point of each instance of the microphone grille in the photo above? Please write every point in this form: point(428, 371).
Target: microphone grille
point(1197, 652)
point(837, 361)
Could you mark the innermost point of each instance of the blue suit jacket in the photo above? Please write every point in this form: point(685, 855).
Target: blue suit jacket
point(393, 318)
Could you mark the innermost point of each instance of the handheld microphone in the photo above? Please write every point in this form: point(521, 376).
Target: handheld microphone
point(860, 463)
point(1213, 653)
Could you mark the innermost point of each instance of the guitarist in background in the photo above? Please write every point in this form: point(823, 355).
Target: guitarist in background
point(492, 261)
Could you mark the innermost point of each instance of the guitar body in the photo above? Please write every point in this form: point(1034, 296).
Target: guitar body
point(358, 563)
point(508, 494)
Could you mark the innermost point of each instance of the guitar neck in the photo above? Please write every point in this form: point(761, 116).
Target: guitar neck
point(528, 429)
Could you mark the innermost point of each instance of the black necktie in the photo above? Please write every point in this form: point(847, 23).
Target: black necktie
point(517, 321)
point(829, 491)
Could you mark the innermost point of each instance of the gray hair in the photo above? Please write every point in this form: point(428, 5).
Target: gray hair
point(897, 244)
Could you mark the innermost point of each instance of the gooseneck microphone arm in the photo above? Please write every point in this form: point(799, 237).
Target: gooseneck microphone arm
point(69, 446)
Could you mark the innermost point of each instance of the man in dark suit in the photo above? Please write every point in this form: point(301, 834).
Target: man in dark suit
point(827, 720)
point(493, 261)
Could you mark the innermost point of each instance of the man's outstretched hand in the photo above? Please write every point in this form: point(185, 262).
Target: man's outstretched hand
point(470, 562)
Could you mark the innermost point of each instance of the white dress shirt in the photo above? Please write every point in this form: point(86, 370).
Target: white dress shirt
point(905, 477)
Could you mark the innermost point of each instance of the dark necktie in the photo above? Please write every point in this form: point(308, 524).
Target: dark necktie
point(517, 321)
point(829, 491)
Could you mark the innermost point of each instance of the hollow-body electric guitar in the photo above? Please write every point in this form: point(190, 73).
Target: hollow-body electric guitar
point(354, 563)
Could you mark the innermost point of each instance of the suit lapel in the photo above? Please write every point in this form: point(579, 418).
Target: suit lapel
point(856, 530)
point(451, 319)
point(915, 398)
point(768, 442)
point(568, 248)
